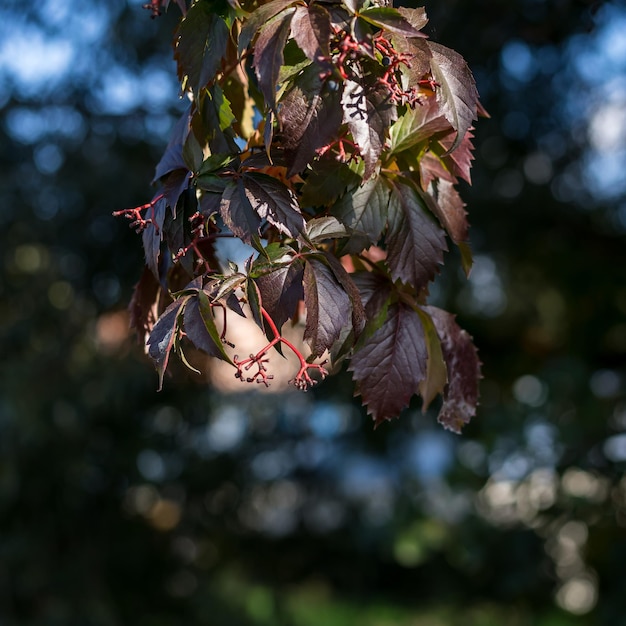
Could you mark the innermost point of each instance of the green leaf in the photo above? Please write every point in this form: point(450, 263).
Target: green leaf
point(200, 45)
point(416, 125)
point(326, 181)
point(436, 370)
point(213, 163)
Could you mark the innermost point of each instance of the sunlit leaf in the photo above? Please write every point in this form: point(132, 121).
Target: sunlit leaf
point(415, 243)
point(456, 91)
point(311, 29)
point(269, 55)
point(390, 365)
point(327, 304)
point(390, 19)
point(281, 290)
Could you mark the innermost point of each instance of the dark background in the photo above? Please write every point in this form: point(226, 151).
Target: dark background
point(121, 505)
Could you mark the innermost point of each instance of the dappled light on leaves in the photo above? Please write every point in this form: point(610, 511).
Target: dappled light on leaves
point(351, 90)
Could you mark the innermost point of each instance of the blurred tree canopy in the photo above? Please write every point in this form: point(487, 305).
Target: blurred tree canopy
point(122, 505)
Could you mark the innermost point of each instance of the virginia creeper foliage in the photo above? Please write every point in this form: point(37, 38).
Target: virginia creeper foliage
point(328, 136)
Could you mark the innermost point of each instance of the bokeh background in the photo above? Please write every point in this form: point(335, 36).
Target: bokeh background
point(120, 505)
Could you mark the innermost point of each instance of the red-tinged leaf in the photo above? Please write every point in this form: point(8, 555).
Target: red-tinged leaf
point(458, 161)
point(206, 312)
point(390, 19)
point(275, 202)
point(281, 290)
point(311, 29)
point(161, 338)
point(328, 308)
point(259, 18)
point(432, 168)
point(391, 364)
point(417, 125)
point(450, 210)
point(269, 55)
point(416, 17)
point(310, 115)
point(364, 212)
point(368, 116)
point(456, 91)
point(415, 243)
point(153, 233)
point(238, 214)
point(201, 42)
point(420, 55)
point(375, 291)
point(460, 397)
point(172, 158)
point(143, 304)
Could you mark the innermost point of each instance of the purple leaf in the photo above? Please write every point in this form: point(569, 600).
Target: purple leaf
point(281, 290)
point(142, 307)
point(310, 115)
point(311, 29)
point(390, 19)
point(416, 17)
point(259, 18)
point(450, 210)
point(456, 92)
point(328, 308)
point(200, 45)
point(173, 187)
point(269, 55)
point(153, 233)
point(161, 338)
point(368, 116)
point(390, 365)
point(196, 330)
point(275, 202)
point(172, 158)
point(460, 396)
point(415, 243)
point(238, 214)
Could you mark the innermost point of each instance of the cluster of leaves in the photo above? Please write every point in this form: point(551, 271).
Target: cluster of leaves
point(328, 137)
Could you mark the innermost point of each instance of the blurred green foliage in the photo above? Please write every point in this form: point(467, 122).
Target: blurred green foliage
point(120, 505)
